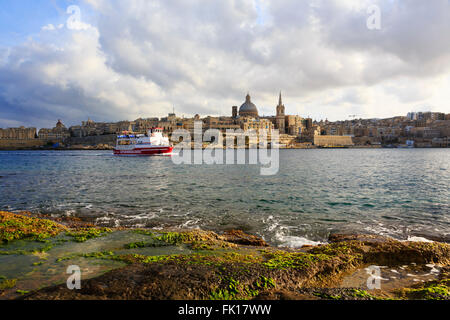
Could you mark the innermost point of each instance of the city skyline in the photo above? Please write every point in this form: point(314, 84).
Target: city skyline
point(225, 115)
point(58, 64)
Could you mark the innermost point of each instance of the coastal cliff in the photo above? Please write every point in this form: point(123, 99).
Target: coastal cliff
point(35, 252)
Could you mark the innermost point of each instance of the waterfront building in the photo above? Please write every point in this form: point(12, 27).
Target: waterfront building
point(92, 128)
point(294, 125)
point(441, 142)
point(12, 138)
point(333, 141)
point(143, 125)
point(221, 123)
point(57, 134)
point(20, 133)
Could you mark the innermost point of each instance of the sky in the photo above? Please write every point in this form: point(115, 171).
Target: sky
point(111, 60)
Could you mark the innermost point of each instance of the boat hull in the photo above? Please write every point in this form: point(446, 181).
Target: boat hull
point(144, 151)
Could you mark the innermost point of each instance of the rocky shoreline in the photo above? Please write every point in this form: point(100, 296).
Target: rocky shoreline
point(141, 264)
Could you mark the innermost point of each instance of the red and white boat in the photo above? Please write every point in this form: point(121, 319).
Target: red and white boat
point(149, 144)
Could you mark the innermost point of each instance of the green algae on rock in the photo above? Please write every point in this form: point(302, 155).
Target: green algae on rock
point(437, 291)
point(84, 234)
point(196, 264)
point(7, 283)
point(20, 226)
point(431, 290)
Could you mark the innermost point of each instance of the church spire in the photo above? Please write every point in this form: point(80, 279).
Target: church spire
point(280, 107)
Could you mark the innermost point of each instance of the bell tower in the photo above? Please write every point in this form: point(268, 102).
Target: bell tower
point(280, 118)
point(280, 107)
point(234, 112)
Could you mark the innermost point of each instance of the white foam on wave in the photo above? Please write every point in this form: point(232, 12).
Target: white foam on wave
point(418, 239)
point(381, 230)
point(147, 216)
point(106, 219)
point(296, 242)
point(394, 233)
point(282, 235)
point(190, 224)
point(69, 213)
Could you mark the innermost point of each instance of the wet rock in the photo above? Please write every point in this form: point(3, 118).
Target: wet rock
point(431, 237)
point(337, 237)
point(239, 237)
point(139, 282)
point(285, 295)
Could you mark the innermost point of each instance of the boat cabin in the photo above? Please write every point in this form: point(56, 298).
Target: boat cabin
point(154, 136)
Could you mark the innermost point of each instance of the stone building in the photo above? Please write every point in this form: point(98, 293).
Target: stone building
point(443, 127)
point(18, 138)
point(431, 133)
point(21, 133)
point(143, 125)
point(221, 123)
point(333, 141)
point(91, 128)
point(295, 125)
point(58, 134)
point(257, 125)
point(169, 123)
point(308, 123)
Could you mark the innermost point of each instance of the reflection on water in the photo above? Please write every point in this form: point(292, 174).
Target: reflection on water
point(392, 278)
point(400, 193)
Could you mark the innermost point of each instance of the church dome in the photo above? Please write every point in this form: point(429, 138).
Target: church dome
point(248, 109)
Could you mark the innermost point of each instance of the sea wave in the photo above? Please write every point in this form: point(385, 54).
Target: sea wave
point(418, 239)
point(296, 242)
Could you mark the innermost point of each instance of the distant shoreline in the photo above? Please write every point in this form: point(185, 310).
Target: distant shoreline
point(92, 148)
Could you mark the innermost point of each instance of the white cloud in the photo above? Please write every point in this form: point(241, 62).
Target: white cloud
point(48, 27)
